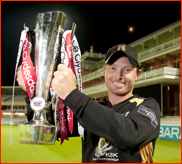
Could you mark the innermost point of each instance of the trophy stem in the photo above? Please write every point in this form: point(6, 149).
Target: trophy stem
point(40, 117)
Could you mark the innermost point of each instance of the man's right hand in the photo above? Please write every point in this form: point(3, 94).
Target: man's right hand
point(19, 79)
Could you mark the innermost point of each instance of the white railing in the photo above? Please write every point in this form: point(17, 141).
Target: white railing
point(157, 49)
point(92, 75)
point(145, 75)
point(96, 88)
point(160, 72)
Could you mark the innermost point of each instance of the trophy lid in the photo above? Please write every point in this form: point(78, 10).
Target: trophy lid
point(48, 12)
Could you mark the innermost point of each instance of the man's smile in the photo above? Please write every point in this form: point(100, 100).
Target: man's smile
point(118, 83)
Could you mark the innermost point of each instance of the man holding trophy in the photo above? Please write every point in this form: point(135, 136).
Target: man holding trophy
point(121, 128)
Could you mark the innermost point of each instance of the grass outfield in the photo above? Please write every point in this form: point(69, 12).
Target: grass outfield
point(70, 151)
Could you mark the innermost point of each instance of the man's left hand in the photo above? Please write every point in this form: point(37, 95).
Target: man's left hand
point(64, 81)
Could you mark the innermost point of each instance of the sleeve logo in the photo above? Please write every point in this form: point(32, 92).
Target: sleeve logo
point(147, 112)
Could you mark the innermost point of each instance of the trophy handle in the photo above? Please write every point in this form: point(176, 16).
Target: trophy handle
point(73, 29)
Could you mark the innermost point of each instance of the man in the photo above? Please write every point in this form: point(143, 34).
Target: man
point(121, 128)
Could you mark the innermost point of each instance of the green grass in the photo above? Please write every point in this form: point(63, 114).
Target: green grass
point(69, 151)
point(167, 151)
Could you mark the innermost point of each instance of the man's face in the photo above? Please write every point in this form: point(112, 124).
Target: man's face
point(120, 77)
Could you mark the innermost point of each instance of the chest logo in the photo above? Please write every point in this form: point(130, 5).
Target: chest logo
point(102, 147)
point(137, 100)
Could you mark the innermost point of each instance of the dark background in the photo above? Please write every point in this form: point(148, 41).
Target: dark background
point(150, 91)
point(101, 24)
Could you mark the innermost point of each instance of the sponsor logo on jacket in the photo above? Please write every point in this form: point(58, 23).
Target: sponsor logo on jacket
point(147, 112)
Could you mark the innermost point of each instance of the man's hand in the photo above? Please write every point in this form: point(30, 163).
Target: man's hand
point(64, 81)
point(19, 79)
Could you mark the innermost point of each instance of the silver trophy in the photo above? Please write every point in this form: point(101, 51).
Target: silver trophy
point(48, 34)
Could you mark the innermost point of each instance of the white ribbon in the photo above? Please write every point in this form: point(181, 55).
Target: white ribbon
point(22, 39)
point(77, 63)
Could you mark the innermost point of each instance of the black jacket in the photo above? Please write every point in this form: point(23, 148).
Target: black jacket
point(123, 133)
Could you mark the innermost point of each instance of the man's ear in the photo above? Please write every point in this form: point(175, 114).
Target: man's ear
point(104, 69)
point(139, 72)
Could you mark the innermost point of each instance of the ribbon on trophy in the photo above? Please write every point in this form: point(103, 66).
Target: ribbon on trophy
point(71, 57)
point(22, 38)
point(28, 71)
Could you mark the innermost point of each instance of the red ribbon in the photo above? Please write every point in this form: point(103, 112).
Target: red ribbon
point(62, 123)
point(28, 72)
point(70, 119)
point(69, 52)
point(70, 65)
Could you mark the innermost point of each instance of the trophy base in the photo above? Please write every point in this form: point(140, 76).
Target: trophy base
point(36, 142)
point(37, 132)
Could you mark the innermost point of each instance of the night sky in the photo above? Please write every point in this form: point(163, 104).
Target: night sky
point(101, 24)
